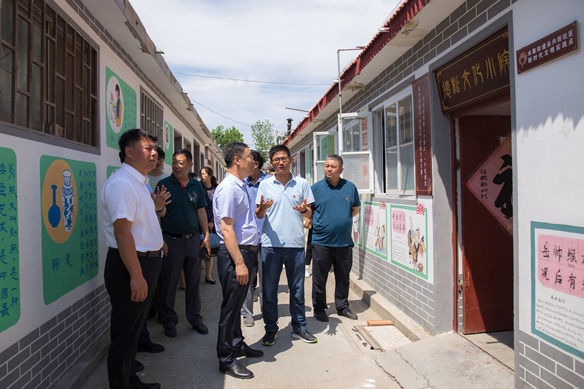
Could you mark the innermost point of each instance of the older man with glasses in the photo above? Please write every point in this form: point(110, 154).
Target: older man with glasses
point(283, 200)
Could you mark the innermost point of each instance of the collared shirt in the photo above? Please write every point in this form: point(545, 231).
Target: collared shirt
point(252, 191)
point(332, 217)
point(125, 196)
point(231, 201)
point(181, 213)
point(283, 225)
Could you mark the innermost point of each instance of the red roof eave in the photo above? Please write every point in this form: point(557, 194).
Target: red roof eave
point(406, 12)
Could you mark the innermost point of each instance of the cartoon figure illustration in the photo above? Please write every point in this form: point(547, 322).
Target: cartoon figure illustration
point(117, 106)
point(419, 248)
point(411, 240)
point(505, 178)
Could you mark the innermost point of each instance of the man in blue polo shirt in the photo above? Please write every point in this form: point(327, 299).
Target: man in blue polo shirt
point(337, 202)
point(283, 199)
point(185, 218)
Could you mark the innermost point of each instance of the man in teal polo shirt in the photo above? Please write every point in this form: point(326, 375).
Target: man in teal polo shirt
point(181, 227)
point(337, 202)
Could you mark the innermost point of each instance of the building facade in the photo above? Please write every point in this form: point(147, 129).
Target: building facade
point(74, 75)
point(461, 124)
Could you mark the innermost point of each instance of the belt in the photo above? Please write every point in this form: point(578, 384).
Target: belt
point(145, 254)
point(250, 247)
point(185, 236)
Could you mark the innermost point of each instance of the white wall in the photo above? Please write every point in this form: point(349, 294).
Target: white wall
point(549, 135)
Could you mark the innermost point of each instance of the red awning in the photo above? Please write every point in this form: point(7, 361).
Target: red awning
point(401, 17)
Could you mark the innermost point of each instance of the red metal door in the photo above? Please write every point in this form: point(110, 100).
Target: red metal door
point(487, 248)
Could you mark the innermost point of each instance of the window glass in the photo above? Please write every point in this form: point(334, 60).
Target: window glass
point(399, 146)
point(6, 12)
point(6, 59)
point(356, 169)
point(22, 55)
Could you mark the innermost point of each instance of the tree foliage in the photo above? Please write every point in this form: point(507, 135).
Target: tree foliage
point(225, 136)
point(262, 133)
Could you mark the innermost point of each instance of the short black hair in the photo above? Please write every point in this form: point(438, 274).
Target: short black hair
point(337, 158)
point(277, 149)
point(233, 150)
point(129, 138)
point(184, 152)
point(161, 153)
point(257, 157)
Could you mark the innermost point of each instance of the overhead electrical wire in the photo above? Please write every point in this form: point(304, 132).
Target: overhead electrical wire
point(253, 81)
point(220, 114)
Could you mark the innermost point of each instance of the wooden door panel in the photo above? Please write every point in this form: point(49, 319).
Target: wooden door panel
point(487, 249)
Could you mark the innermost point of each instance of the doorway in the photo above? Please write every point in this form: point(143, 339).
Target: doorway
point(485, 215)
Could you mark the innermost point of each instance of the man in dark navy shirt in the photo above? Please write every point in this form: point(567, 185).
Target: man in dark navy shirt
point(336, 203)
point(182, 225)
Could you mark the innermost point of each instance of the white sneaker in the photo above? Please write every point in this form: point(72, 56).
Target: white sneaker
point(307, 271)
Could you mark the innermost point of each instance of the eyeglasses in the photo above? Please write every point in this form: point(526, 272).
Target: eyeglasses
point(281, 159)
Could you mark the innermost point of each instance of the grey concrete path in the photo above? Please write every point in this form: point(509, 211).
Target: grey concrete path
point(340, 359)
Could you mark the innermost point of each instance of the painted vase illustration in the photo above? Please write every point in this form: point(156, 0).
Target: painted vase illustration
point(67, 199)
point(54, 211)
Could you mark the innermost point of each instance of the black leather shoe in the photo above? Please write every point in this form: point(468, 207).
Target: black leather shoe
point(320, 315)
point(138, 366)
point(347, 313)
point(237, 371)
point(201, 328)
point(150, 347)
point(249, 352)
point(146, 385)
point(170, 332)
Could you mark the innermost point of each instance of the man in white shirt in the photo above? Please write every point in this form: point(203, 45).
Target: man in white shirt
point(134, 255)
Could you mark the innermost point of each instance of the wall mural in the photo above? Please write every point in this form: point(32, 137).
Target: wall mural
point(69, 225)
point(168, 143)
point(409, 238)
point(120, 107)
point(9, 259)
point(375, 228)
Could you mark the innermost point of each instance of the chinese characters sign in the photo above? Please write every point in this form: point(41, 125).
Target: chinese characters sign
point(550, 47)
point(409, 238)
point(120, 108)
point(492, 185)
point(9, 259)
point(375, 228)
point(423, 136)
point(557, 285)
point(69, 225)
point(479, 74)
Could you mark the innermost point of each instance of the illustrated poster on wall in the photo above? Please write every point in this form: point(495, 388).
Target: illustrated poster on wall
point(110, 170)
point(69, 225)
point(409, 238)
point(492, 185)
point(557, 285)
point(120, 107)
point(375, 228)
point(168, 143)
point(9, 258)
point(356, 229)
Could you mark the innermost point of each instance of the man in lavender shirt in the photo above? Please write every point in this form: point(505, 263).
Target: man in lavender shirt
point(236, 257)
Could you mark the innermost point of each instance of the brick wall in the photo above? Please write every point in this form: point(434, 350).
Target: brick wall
point(40, 358)
point(539, 365)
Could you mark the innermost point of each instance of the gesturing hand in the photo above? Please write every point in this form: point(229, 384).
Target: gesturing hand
point(265, 204)
point(302, 207)
point(161, 197)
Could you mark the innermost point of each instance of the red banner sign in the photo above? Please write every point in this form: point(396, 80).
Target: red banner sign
point(552, 46)
point(423, 135)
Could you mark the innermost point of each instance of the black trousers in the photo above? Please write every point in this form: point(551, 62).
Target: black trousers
point(127, 317)
point(230, 338)
point(308, 254)
point(342, 260)
point(182, 253)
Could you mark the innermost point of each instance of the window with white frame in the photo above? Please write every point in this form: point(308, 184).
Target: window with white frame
point(398, 142)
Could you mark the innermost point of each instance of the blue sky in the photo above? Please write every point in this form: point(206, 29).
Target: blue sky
point(278, 41)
